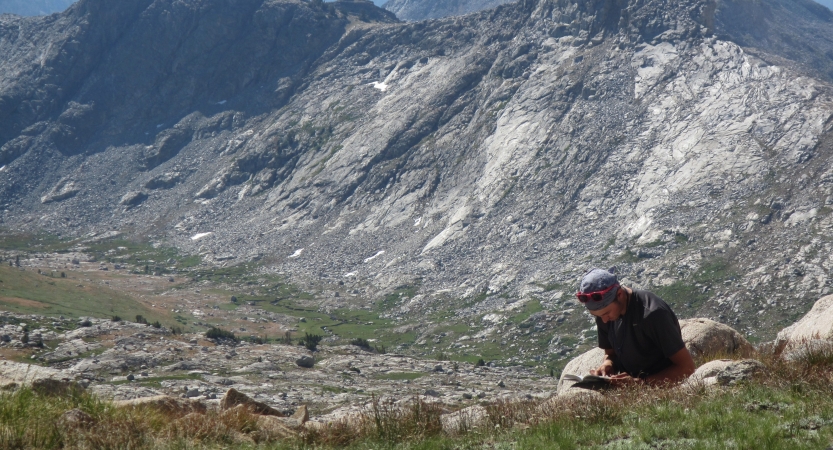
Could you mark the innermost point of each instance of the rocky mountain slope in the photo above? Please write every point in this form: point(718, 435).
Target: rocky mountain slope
point(412, 10)
point(33, 7)
point(485, 161)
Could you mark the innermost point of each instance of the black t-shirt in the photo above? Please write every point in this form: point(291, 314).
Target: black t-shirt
point(644, 337)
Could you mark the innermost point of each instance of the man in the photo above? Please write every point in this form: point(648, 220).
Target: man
point(638, 331)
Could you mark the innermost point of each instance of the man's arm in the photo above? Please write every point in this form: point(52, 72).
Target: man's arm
point(606, 369)
point(682, 366)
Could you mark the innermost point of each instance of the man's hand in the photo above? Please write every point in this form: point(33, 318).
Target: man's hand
point(624, 379)
point(605, 370)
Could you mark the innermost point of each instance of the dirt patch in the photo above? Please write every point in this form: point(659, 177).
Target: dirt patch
point(23, 302)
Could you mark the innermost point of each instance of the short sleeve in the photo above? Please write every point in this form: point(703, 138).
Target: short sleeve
point(664, 329)
point(601, 330)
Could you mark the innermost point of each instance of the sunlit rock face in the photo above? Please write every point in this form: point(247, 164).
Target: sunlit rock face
point(492, 157)
point(413, 10)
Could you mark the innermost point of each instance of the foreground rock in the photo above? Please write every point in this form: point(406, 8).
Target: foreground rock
point(705, 337)
point(816, 325)
point(234, 398)
point(40, 378)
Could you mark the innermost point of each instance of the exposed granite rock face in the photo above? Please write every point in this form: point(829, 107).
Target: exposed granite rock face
point(492, 153)
point(816, 324)
point(707, 337)
point(412, 10)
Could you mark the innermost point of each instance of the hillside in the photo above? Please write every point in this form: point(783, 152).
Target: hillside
point(462, 171)
point(412, 10)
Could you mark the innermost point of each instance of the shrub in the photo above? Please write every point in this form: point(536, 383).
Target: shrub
point(359, 342)
point(256, 339)
point(233, 299)
point(86, 323)
point(380, 349)
point(176, 330)
point(287, 338)
point(156, 324)
point(219, 333)
point(141, 319)
point(480, 363)
point(311, 341)
point(25, 338)
point(116, 319)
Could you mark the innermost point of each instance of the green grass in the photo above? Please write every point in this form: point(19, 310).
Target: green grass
point(27, 292)
point(789, 406)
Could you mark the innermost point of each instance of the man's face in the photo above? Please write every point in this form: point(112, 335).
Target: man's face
point(610, 312)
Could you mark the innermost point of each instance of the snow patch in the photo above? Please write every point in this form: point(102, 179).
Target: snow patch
point(222, 102)
point(378, 254)
point(380, 86)
point(351, 274)
point(297, 253)
point(2, 168)
point(199, 236)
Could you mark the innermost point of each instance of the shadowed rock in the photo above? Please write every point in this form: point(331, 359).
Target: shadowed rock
point(234, 398)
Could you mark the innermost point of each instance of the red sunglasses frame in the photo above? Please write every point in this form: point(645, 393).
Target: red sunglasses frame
point(595, 296)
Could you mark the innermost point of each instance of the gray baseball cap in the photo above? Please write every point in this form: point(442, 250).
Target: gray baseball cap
point(596, 280)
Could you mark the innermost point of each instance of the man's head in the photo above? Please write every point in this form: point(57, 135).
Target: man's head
point(599, 292)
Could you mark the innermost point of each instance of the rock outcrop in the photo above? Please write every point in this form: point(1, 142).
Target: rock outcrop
point(412, 10)
point(817, 324)
point(704, 337)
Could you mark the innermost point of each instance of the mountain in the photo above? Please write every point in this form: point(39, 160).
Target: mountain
point(412, 10)
point(481, 162)
point(33, 7)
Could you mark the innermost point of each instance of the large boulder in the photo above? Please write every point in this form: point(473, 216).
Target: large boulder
point(43, 379)
point(704, 337)
point(817, 324)
point(580, 365)
point(234, 398)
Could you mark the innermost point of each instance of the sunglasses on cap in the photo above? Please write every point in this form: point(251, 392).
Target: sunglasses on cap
point(594, 296)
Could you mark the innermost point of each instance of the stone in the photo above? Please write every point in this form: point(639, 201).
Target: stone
point(133, 198)
point(75, 418)
point(193, 393)
point(164, 403)
point(274, 428)
point(816, 324)
point(305, 361)
point(465, 420)
point(738, 371)
point(235, 398)
point(301, 414)
point(707, 373)
point(580, 365)
point(705, 337)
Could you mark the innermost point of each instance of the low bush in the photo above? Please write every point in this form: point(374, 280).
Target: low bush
point(311, 341)
point(219, 333)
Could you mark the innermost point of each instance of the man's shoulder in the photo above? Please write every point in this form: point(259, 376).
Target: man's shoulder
point(651, 302)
